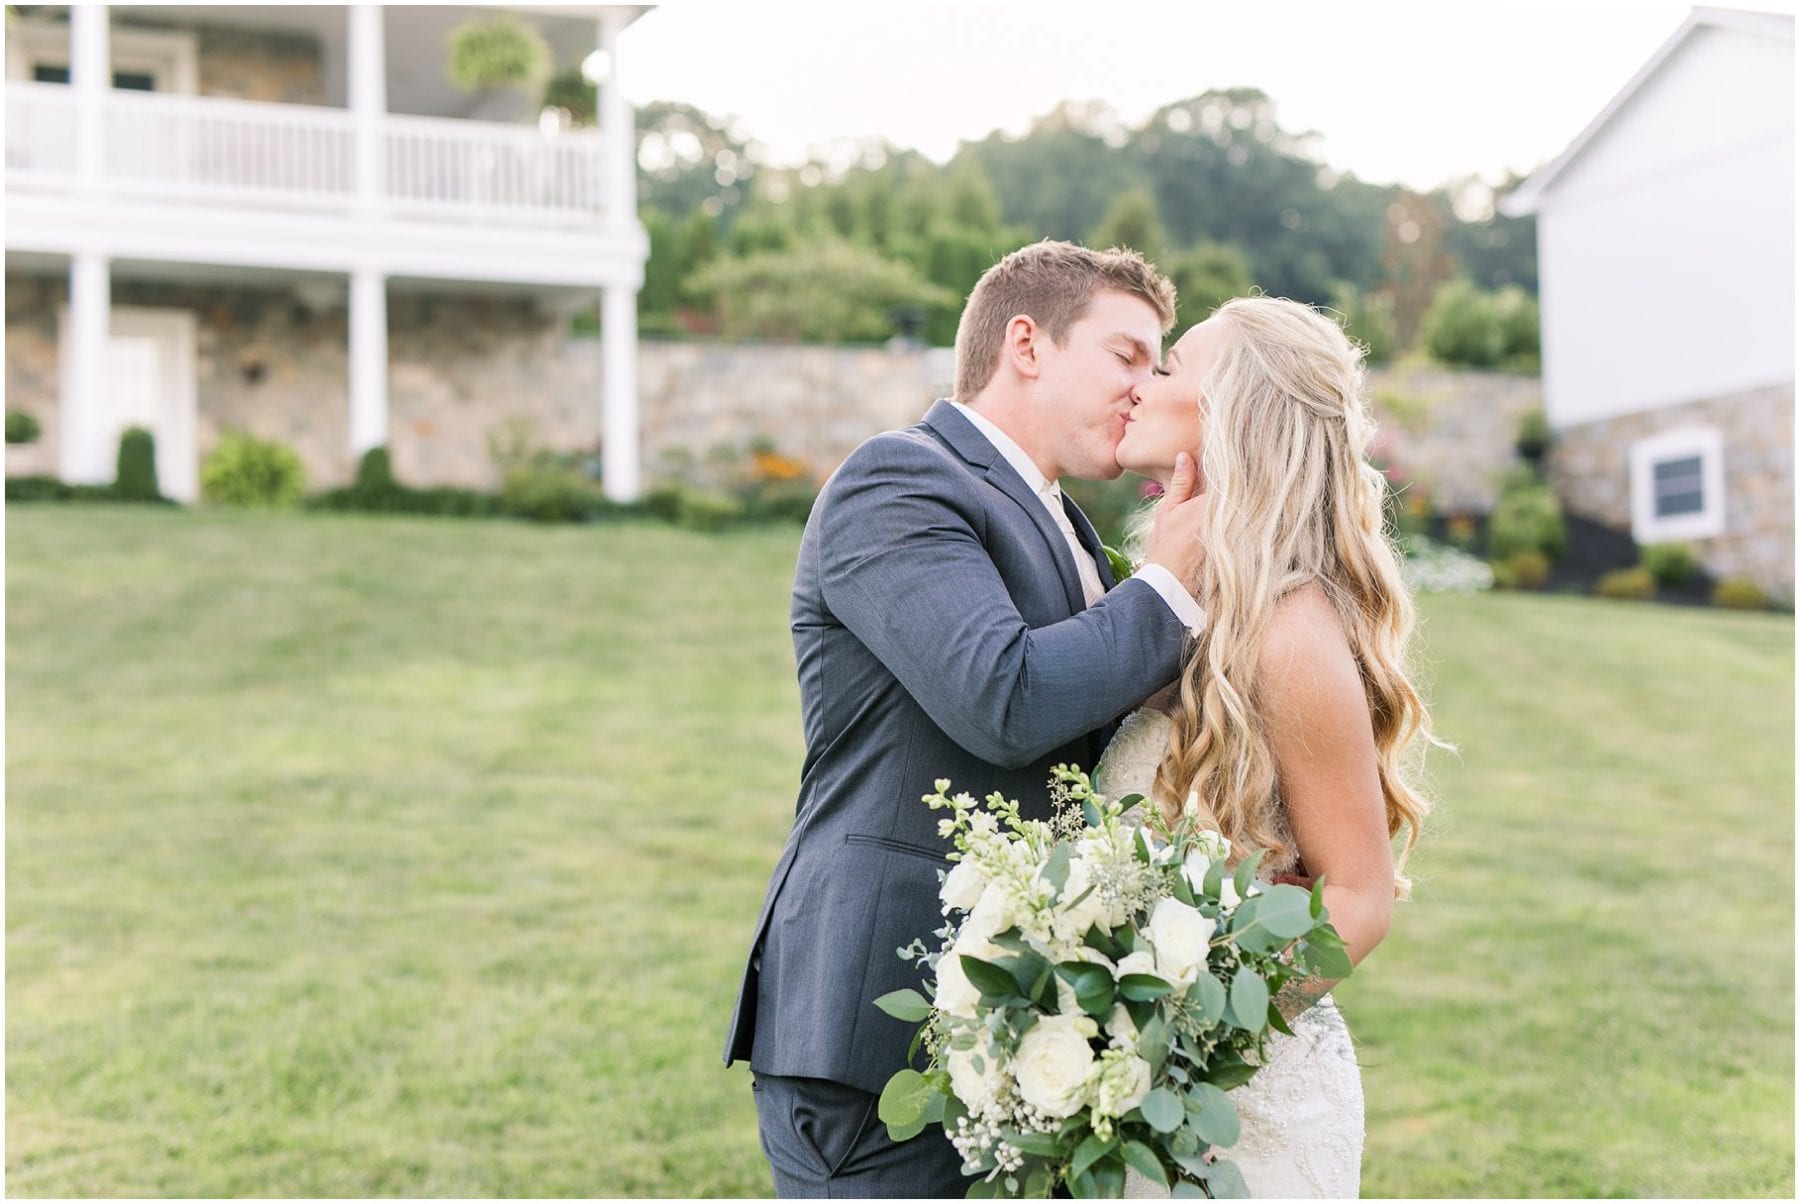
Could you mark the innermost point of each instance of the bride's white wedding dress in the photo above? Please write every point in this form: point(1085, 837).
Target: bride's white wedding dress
point(1302, 1113)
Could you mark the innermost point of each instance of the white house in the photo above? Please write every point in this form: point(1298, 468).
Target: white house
point(285, 219)
point(1666, 268)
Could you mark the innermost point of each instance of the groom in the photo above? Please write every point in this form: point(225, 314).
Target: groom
point(953, 617)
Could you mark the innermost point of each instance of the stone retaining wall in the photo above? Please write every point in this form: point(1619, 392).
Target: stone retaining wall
point(463, 367)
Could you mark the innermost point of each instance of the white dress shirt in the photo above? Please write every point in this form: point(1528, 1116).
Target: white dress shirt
point(1049, 493)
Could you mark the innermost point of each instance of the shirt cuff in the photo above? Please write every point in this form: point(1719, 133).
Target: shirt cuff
point(1175, 594)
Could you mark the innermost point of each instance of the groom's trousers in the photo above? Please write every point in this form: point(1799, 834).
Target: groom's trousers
point(824, 1141)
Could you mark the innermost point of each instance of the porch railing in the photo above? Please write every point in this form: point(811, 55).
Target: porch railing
point(303, 156)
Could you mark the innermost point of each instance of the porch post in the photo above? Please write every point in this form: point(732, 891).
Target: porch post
point(82, 454)
point(368, 361)
point(621, 454)
point(368, 100)
point(90, 75)
point(618, 356)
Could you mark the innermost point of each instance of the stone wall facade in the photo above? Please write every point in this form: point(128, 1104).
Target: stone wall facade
point(1590, 467)
point(463, 368)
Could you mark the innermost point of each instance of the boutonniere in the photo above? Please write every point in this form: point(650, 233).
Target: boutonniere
point(1121, 566)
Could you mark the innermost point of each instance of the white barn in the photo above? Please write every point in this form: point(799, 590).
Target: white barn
point(1666, 268)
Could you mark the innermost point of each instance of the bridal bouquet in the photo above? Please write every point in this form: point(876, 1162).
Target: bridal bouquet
point(1099, 988)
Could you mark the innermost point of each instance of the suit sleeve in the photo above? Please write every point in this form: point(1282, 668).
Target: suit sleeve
point(904, 566)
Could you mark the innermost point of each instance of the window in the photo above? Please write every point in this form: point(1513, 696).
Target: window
point(1678, 486)
point(143, 60)
point(58, 73)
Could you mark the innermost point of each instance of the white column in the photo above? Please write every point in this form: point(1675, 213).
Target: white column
point(368, 361)
point(90, 75)
point(618, 125)
point(618, 352)
point(83, 456)
point(618, 308)
point(368, 101)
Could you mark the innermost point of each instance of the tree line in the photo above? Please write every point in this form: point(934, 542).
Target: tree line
point(872, 241)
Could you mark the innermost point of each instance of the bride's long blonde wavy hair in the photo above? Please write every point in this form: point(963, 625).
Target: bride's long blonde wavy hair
point(1293, 502)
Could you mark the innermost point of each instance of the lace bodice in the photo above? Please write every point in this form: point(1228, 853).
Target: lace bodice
point(1129, 763)
point(1301, 1116)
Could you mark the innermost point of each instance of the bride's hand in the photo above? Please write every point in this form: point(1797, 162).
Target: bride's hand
point(1174, 540)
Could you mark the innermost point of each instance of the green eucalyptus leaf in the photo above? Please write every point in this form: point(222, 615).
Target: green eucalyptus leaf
point(1317, 900)
point(1249, 999)
point(1056, 872)
point(1211, 1114)
point(1162, 1110)
point(1144, 987)
point(1109, 1177)
point(1325, 955)
point(1225, 1182)
point(1144, 1160)
point(1186, 1189)
point(1277, 1021)
point(991, 980)
point(1093, 986)
point(1285, 911)
point(1229, 1072)
point(1246, 873)
point(1045, 1144)
point(904, 1005)
point(1208, 996)
point(1090, 1151)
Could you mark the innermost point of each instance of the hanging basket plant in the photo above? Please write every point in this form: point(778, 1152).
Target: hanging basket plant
point(487, 56)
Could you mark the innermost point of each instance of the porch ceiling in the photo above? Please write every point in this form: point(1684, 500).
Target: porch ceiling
point(415, 40)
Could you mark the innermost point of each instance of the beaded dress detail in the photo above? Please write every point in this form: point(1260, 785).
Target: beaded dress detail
point(1302, 1113)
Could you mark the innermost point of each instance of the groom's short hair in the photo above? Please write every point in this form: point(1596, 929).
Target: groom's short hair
point(1052, 283)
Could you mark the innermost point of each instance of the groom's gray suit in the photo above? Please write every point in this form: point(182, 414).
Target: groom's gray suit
point(940, 632)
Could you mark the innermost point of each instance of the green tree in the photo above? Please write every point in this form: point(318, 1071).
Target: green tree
point(1205, 278)
point(1131, 221)
point(689, 160)
point(1368, 319)
point(1463, 326)
point(823, 290)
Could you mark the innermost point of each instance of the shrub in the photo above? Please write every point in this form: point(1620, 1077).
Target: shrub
point(375, 471)
point(1740, 593)
point(22, 427)
point(1527, 569)
point(1464, 326)
point(136, 476)
point(500, 53)
point(664, 502)
point(1436, 568)
point(1634, 583)
point(702, 511)
point(246, 471)
point(1533, 438)
point(1518, 315)
point(825, 290)
point(1526, 518)
point(49, 489)
point(1368, 319)
point(548, 493)
point(1670, 563)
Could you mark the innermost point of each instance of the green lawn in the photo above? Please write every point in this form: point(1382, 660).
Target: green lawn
point(355, 856)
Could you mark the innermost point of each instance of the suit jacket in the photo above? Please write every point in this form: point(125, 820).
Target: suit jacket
point(939, 632)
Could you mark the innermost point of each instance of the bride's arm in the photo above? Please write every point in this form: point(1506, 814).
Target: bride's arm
point(1323, 742)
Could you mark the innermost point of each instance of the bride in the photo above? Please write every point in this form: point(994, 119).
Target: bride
point(1292, 715)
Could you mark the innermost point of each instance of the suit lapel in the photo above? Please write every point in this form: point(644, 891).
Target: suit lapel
point(974, 447)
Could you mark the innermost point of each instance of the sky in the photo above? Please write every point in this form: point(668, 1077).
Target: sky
point(1416, 94)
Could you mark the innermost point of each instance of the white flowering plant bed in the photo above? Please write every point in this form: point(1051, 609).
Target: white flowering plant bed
point(1099, 989)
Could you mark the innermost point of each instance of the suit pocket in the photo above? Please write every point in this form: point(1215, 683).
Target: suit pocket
point(899, 846)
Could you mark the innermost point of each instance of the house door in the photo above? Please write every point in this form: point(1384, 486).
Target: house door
point(150, 383)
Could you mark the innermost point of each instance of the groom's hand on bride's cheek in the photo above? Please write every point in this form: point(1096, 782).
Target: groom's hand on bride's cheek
point(1175, 533)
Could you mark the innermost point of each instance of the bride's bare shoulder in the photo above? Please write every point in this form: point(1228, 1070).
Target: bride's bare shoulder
point(1305, 643)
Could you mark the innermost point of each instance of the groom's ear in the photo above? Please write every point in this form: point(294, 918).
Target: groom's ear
point(1019, 348)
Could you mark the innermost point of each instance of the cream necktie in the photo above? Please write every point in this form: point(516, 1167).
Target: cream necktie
point(1091, 588)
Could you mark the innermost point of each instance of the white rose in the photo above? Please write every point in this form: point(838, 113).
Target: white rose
point(976, 1088)
point(990, 916)
point(955, 994)
point(1052, 1064)
point(1141, 962)
point(962, 887)
point(1228, 896)
point(1123, 1085)
point(1180, 934)
point(1122, 1029)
